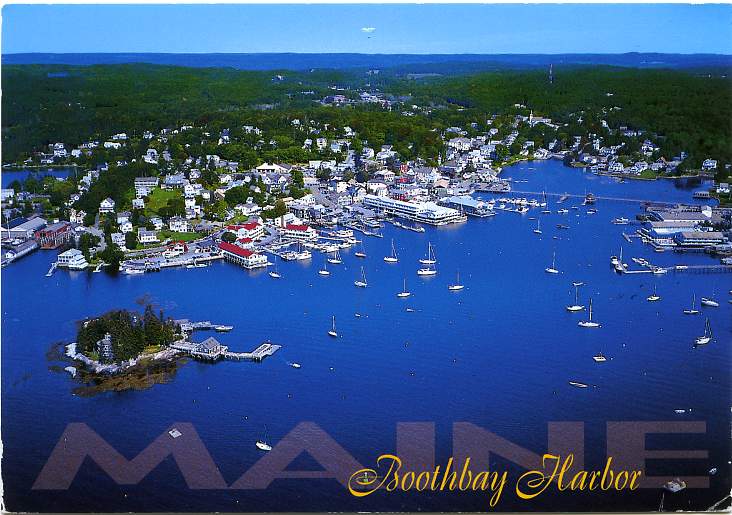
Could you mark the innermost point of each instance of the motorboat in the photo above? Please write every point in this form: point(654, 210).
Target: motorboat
point(708, 302)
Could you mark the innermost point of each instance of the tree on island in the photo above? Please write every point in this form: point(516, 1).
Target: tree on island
point(130, 333)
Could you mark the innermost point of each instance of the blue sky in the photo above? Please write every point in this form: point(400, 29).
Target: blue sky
point(488, 29)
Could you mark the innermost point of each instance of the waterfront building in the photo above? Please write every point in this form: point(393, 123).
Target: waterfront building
point(243, 257)
point(699, 238)
point(54, 235)
point(423, 212)
point(23, 228)
point(251, 230)
point(299, 232)
point(73, 259)
point(210, 348)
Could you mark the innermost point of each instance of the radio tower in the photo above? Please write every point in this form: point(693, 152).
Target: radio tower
point(551, 74)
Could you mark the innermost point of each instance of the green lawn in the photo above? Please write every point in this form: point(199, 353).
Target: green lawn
point(179, 236)
point(159, 198)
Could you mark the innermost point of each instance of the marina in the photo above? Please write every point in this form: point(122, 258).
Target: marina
point(509, 325)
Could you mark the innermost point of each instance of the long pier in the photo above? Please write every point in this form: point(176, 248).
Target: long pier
point(615, 199)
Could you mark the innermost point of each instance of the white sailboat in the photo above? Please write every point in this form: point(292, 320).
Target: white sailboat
point(393, 257)
point(274, 274)
point(404, 293)
point(332, 331)
point(457, 286)
point(589, 322)
point(552, 269)
point(703, 340)
point(430, 259)
point(361, 283)
point(361, 252)
point(336, 258)
point(655, 297)
point(538, 227)
point(324, 270)
point(693, 310)
point(262, 444)
point(576, 306)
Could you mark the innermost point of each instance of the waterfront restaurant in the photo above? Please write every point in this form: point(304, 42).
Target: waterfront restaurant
point(424, 212)
point(73, 259)
point(243, 257)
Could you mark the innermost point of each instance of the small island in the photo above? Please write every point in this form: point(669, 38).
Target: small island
point(124, 350)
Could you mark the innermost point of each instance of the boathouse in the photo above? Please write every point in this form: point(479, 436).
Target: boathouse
point(242, 257)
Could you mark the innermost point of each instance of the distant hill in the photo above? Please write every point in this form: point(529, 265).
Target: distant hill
point(413, 63)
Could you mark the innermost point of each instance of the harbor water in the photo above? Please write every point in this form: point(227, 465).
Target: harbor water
point(498, 354)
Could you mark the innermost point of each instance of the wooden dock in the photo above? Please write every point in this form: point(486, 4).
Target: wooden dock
point(222, 352)
point(258, 354)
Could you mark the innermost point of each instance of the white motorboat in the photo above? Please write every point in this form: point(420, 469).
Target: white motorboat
point(430, 259)
point(457, 286)
point(709, 302)
point(427, 271)
point(404, 293)
point(333, 331)
point(361, 283)
point(295, 365)
point(133, 271)
point(675, 485)
point(577, 384)
point(589, 322)
point(707, 337)
point(393, 257)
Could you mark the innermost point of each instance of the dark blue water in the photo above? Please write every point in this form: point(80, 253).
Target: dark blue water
point(22, 174)
point(498, 354)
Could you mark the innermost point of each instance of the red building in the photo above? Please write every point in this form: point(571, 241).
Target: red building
point(54, 235)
